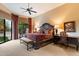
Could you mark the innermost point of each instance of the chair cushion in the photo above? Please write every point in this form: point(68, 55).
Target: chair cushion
point(25, 39)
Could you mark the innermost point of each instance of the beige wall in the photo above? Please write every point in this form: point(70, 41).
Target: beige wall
point(59, 15)
point(23, 19)
point(5, 15)
point(4, 12)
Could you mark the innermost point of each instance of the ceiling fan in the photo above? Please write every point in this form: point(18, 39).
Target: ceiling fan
point(29, 10)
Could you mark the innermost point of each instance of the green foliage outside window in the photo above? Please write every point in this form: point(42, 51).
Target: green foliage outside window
point(2, 39)
point(22, 27)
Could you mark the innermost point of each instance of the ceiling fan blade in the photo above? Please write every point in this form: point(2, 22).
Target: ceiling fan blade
point(33, 11)
point(30, 8)
point(23, 8)
point(29, 12)
point(28, 5)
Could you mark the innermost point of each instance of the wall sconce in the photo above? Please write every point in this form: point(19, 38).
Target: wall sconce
point(36, 30)
point(56, 29)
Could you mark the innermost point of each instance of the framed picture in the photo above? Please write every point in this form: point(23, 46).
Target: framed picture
point(69, 26)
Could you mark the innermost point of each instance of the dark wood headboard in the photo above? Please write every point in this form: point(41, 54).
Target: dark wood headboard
point(46, 27)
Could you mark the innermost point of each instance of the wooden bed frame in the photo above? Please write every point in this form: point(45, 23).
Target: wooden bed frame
point(39, 39)
point(42, 36)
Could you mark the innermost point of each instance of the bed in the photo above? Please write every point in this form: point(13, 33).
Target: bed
point(39, 39)
point(43, 36)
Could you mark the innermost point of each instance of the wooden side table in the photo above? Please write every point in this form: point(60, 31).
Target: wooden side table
point(56, 39)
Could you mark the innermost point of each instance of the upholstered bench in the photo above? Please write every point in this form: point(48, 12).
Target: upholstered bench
point(28, 42)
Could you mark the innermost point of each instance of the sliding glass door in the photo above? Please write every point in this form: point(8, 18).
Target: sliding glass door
point(2, 30)
point(5, 30)
point(8, 27)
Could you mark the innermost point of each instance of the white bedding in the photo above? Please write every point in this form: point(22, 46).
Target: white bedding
point(73, 34)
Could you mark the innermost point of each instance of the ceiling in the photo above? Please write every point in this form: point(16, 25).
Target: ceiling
point(39, 7)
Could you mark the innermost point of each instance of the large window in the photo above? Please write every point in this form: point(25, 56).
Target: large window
point(23, 27)
point(5, 30)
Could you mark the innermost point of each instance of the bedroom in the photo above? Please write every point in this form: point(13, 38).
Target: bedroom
point(55, 14)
